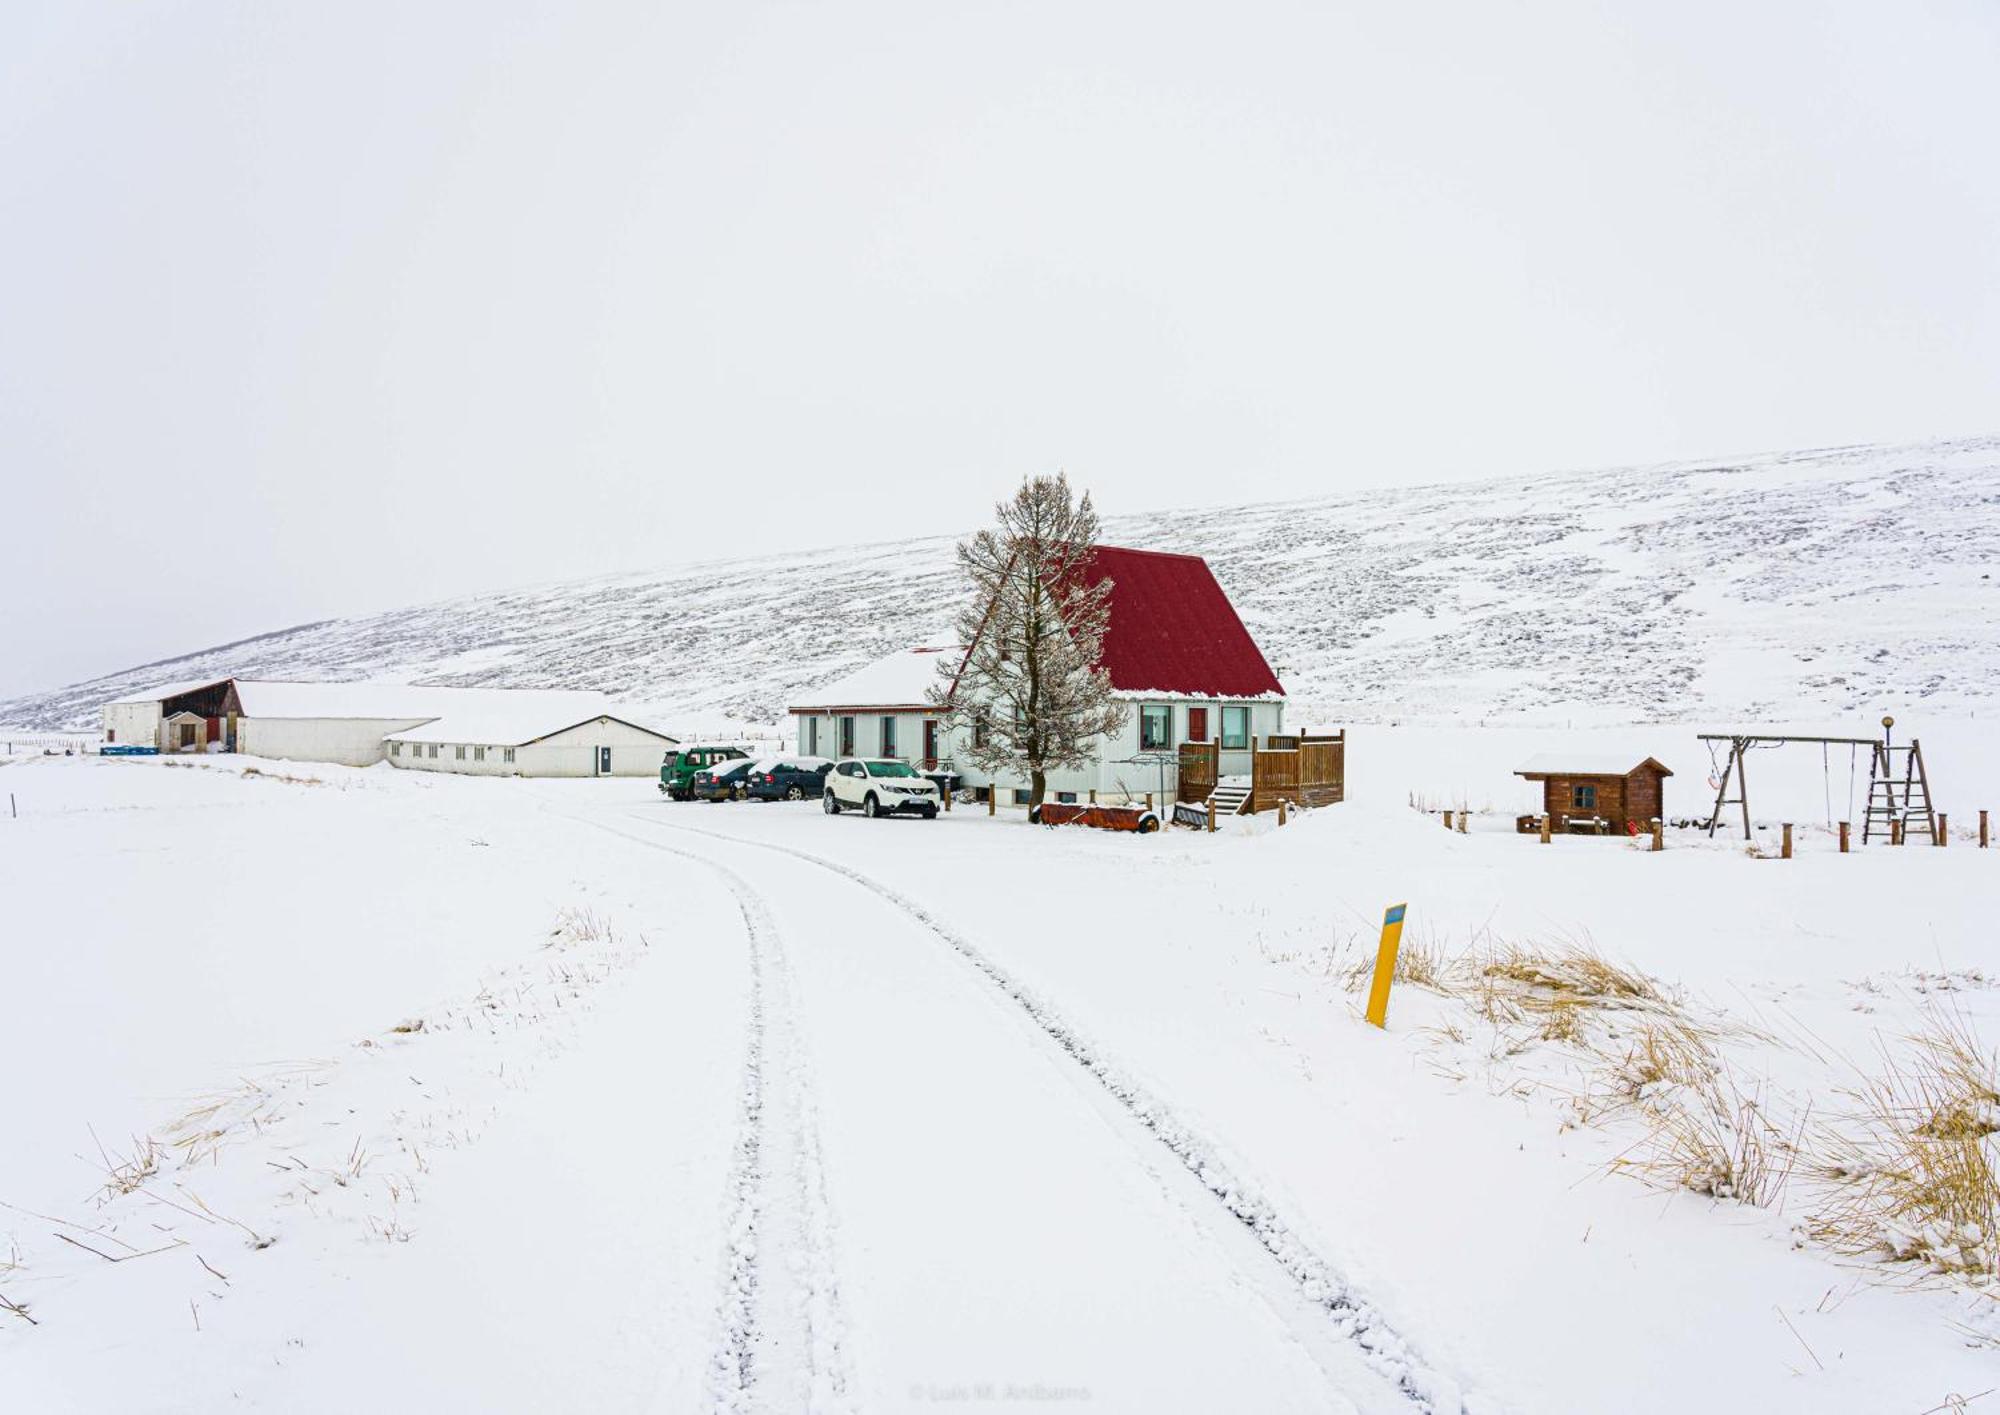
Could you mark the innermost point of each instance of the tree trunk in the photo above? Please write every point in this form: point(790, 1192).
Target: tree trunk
point(1038, 786)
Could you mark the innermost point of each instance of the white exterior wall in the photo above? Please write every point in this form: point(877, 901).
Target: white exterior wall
point(1112, 775)
point(867, 735)
point(634, 752)
point(344, 741)
point(133, 724)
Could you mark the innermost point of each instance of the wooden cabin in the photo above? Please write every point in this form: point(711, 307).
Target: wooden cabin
point(1595, 794)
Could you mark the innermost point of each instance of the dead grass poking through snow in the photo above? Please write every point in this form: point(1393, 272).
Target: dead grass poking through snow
point(1910, 1176)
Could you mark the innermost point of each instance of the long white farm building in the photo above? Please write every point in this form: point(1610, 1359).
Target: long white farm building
point(485, 731)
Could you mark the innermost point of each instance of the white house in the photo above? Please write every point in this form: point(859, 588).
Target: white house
point(351, 723)
point(881, 710)
point(530, 739)
point(1175, 651)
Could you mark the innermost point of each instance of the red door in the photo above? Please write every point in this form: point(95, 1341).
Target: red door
point(930, 744)
point(1197, 724)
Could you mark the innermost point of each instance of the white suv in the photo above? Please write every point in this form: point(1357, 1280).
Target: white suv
point(877, 786)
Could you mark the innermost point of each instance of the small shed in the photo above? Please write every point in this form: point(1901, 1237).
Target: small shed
point(1586, 791)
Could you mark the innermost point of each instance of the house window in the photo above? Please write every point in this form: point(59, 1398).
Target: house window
point(1583, 798)
point(1021, 795)
point(888, 736)
point(1156, 727)
point(507, 754)
point(479, 754)
point(812, 736)
point(111, 734)
point(847, 736)
point(1066, 798)
point(395, 749)
point(460, 751)
point(433, 751)
point(1235, 728)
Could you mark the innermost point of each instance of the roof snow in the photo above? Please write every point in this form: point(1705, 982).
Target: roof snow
point(1582, 764)
point(902, 680)
point(526, 717)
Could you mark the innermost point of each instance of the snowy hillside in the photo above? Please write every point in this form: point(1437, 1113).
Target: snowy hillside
point(1781, 587)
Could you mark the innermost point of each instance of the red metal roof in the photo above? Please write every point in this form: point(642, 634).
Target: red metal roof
point(1173, 630)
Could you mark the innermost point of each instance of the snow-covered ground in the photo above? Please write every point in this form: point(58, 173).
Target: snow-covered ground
point(1840, 581)
point(337, 1089)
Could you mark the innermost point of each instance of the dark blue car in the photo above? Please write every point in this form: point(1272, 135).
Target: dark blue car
point(786, 778)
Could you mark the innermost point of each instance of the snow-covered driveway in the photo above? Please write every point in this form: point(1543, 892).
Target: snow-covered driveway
point(950, 1208)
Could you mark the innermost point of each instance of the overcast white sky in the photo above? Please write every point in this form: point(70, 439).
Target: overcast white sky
point(317, 309)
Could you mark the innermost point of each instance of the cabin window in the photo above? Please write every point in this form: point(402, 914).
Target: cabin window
point(506, 754)
point(479, 754)
point(1235, 728)
point(1583, 798)
point(847, 736)
point(888, 736)
point(1156, 727)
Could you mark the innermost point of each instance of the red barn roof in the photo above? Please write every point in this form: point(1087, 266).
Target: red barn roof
point(1174, 631)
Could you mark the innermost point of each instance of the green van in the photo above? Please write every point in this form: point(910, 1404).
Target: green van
point(677, 768)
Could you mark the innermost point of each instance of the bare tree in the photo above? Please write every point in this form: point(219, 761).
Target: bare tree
point(1030, 694)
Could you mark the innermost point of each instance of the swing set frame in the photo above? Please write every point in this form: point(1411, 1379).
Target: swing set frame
point(1916, 786)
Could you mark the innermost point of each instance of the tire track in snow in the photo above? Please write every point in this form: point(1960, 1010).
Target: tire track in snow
point(776, 1328)
point(1316, 1280)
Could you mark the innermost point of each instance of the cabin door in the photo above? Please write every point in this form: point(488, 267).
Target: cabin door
point(604, 761)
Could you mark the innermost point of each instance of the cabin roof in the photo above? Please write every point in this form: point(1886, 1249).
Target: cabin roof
point(1546, 764)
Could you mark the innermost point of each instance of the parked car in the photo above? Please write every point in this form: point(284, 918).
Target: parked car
point(787, 778)
point(721, 782)
point(677, 769)
point(877, 786)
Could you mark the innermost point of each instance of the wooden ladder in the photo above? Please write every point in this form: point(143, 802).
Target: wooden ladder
point(1907, 801)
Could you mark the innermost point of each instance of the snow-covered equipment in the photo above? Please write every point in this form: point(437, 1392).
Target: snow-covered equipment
point(1054, 813)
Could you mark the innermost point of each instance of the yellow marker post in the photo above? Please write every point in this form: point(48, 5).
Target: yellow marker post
point(1385, 965)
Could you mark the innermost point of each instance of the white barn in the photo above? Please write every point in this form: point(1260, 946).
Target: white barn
point(530, 739)
point(351, 724)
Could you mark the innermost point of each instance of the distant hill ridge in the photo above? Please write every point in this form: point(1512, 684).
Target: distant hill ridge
point(1783, 587)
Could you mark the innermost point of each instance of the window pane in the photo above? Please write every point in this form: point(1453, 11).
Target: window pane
point(1236, 727)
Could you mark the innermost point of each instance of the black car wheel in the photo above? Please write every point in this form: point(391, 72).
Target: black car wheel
point(930, 813)
point(795, 793)
point(832, 805)
point(871, 808)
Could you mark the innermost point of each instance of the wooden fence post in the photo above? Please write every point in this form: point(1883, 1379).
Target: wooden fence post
point(1149, 800)
point(1659, 834)
point(992, 797)
point(1843, 837)
point(1785, 849)
point(1209, 811)
point(1462, 815)
point(1895, 830)
point(948, 793)
point(1447, 820)
point(1944, 828)
point(1546, 821)
point(1281, 811)
point(1982, 830)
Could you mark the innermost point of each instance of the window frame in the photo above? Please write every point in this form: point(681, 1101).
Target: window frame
point(1239, 740)
point(1583, 796)
point(1159, 715)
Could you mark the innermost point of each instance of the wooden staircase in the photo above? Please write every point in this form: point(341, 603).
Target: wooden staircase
point(1230, 798)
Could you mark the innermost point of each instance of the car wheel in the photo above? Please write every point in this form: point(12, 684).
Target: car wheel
point(795, 793)
point(832, 805)
point(871, 808)
point(930, 813)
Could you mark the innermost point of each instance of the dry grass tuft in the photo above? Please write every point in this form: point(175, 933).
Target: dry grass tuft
point(1911, 1177)
point(576, 925)
point(1713, 1140)
point(125, 1174)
